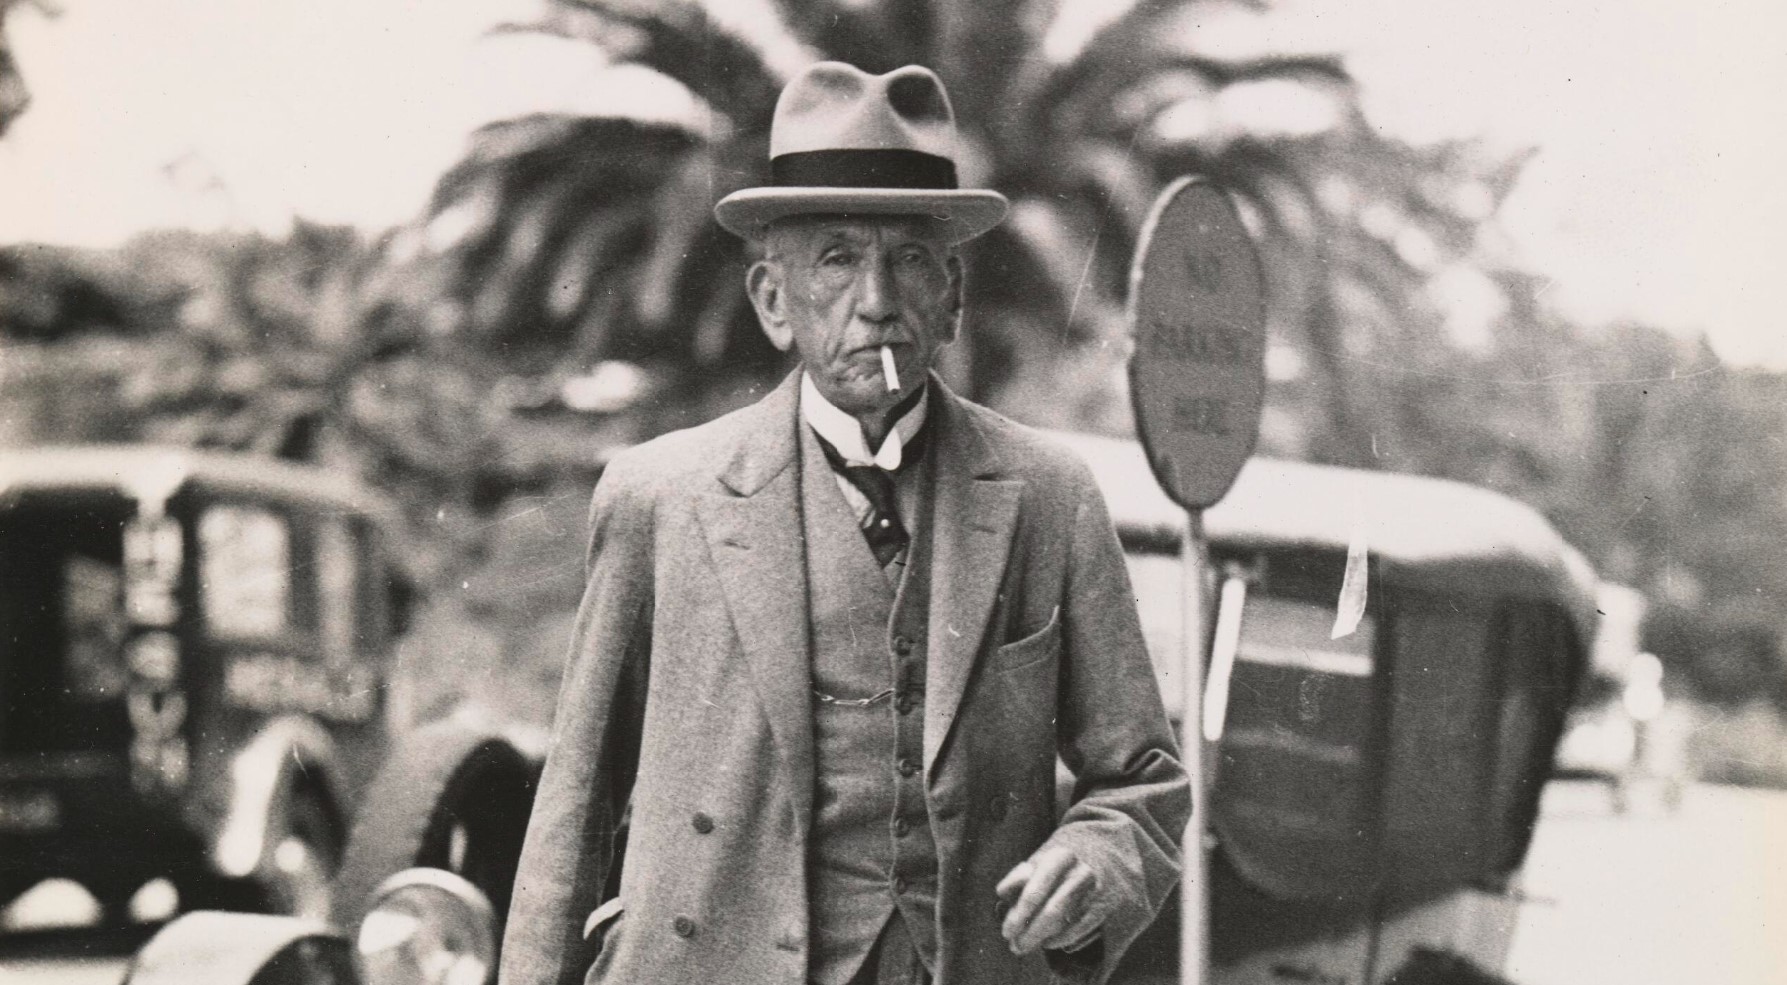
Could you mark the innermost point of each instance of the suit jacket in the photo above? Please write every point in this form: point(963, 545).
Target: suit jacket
point(687, 700)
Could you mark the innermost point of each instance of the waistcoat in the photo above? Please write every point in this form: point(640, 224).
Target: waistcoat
point(870, 852)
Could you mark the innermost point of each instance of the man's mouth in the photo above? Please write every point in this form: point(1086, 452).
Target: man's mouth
point(873, 350)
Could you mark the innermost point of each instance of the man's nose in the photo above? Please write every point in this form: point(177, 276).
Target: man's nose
point(877, 302)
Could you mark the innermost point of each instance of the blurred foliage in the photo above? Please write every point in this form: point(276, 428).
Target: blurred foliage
point(1743, 744)
point(292, 348)
point(1668, 469)
point(572, 234)
point(15, 95)
point(567, 293)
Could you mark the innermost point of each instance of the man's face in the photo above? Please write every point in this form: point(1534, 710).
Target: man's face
point(837, 289)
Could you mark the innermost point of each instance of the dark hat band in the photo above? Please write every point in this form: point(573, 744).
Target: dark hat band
point(862, 169)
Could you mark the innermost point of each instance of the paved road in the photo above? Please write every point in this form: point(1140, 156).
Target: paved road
point(54, 971)
point(1697, 897)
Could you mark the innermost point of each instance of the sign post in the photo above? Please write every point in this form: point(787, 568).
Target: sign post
point(1197, 316)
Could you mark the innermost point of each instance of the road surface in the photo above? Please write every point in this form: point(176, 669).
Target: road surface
point(1694, 897)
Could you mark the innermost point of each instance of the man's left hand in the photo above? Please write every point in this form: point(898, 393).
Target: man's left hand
point(1054, 902)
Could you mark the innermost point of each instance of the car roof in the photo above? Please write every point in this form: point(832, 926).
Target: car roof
point(159, 471)
point(1422, 532)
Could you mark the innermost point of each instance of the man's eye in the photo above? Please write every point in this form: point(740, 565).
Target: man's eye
point(838, 258)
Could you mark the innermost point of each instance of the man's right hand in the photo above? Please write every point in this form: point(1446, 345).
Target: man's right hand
point(1054, 902)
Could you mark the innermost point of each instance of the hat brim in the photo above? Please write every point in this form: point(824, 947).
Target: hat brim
point(964, 213)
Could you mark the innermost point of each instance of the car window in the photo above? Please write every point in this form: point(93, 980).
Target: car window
point(1435, 791)
point(1295, 788)
point(1300, 707)
point(245, 574)
point(93, 627)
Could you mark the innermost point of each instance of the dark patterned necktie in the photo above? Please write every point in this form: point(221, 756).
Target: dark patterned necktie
point(881, 526)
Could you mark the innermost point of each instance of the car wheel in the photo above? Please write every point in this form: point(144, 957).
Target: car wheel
point(450, 797)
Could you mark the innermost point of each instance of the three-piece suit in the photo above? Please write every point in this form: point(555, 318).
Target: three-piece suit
point(688, 707)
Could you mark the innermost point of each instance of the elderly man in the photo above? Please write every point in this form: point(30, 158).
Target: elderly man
point(833, 643)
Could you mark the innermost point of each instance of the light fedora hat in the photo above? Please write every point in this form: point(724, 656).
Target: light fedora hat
point(847, 142)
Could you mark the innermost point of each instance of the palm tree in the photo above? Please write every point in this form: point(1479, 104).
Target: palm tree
point(570, 236)
point(15, 96)
point(302, 348)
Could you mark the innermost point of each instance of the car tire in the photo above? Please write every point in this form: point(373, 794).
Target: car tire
point(450, 797)
point(1427, 966)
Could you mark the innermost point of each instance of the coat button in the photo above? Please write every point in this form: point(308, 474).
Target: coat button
point(899, 884)
point(683, 926)
point(904, 704)
point(703, 824)
point(907, 767)
point(902, 646)
point(901, 827)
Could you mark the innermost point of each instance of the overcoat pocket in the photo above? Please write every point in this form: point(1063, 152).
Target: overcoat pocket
point(599, 938)
point(1035, 648)
point(601, 920)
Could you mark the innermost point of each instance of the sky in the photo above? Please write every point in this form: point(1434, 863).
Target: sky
point(1656, 189)
point(1654, 193)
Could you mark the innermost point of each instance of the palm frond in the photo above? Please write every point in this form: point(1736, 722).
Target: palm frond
point(680, 209)
point(734, 56)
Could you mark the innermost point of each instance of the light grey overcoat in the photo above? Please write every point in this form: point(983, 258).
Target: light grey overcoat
point(688, 694)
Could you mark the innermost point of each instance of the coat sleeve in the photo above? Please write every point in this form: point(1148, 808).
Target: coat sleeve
point(569, 851)
point(1131, 796)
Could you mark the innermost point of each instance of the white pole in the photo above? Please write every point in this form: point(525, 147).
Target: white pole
point(1194, 889)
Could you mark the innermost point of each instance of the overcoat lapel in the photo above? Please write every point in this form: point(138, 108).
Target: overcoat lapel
point(972, 526)
point(754, 536)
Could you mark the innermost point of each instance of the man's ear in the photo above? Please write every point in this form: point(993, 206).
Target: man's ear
point(953, 267)
point(763, 282)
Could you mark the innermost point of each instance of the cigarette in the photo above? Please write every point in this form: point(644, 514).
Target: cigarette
point(889, 372)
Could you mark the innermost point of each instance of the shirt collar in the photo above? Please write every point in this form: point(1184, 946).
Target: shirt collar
point(844, 433)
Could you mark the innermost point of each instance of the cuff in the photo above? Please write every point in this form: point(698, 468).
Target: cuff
point(1083, 962)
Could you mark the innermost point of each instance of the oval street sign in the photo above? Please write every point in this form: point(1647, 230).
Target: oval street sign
point(1198, 317)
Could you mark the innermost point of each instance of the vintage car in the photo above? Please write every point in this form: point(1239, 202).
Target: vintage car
point(195, 687)
point(1374, 794)
point(1622, 734)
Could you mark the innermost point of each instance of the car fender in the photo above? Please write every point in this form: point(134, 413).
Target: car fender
point(287, 752)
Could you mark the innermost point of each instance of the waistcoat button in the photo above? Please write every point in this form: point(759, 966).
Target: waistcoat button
point(683, 926)
point(901, 827)
point(703, 824)
point(907, 767)
point(902, 646)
